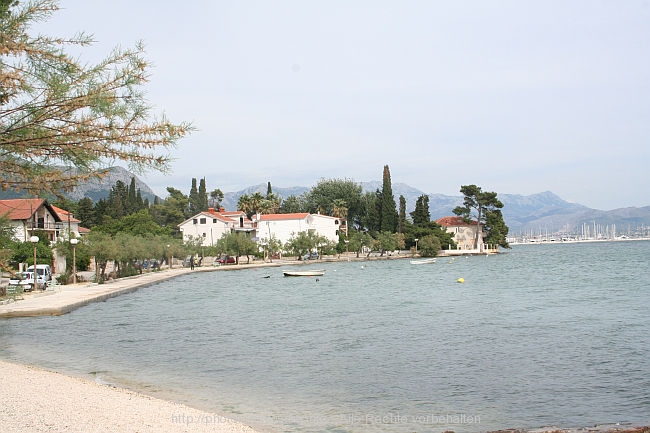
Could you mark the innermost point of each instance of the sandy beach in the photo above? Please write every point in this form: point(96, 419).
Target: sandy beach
point(35, 400)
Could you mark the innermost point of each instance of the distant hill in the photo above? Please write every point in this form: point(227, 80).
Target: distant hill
point(539, 213)
point(543, 212)
point(97, 189)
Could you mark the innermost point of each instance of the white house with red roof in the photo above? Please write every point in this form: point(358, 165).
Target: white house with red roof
point(30, 217)
point(35, 216)
point(285, 226)
point(211, 225)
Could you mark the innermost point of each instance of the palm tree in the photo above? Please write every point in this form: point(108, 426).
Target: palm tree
point(245, 204)
point(340, 208)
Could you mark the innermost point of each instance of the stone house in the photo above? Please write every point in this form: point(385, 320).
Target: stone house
point(464, 233)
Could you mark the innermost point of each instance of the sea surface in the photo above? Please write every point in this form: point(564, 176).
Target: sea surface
point(555, 334)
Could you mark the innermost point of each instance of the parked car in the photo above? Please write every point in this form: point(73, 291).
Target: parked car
point(44, 271)
point(26, 281)
point(226, 260)
point(151, 263)
point(310, 256)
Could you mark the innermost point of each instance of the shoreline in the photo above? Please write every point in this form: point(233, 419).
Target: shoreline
point(38, 400)
point(62, 299)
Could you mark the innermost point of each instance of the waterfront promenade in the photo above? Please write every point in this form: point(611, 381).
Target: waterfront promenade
point(62, 299)
point(58, 300)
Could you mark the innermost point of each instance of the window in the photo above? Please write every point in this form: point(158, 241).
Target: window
point(194, 221)
point(202, 221)
point(214, 220)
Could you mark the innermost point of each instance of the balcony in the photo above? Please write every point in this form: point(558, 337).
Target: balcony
point(42, 225)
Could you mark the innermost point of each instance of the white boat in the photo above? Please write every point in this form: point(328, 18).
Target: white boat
point(423, 261)
point(313, 273)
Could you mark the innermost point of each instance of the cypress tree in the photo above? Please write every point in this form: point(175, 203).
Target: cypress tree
point(131, 198)
point(421, 216)
point(202, 199)
point(401, 221)
point(118, 203)
point(388, 215)
point(193, 204)
point(140, 202)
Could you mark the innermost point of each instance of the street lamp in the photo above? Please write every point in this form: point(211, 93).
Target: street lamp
point(34, 240)
point(416, 246)
point(74, 243)
point(347, 251)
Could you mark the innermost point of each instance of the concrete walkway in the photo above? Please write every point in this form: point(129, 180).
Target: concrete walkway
point(58, 300)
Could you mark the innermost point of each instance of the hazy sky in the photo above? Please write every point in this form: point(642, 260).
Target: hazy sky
point(516, 96)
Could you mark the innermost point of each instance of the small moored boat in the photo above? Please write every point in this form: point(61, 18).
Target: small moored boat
point(423, 261)
point(313, 273)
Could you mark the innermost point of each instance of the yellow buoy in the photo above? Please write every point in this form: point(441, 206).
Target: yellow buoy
point(461, 280)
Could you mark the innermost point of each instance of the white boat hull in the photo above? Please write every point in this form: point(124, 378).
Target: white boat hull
point(423, 261)
point(315, 273)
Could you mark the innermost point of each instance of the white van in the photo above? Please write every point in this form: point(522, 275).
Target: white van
point(44, 272)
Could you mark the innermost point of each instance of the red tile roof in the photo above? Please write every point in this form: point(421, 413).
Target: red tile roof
point(219, 216)
point(64, 214)
point(454, 221)
point(283, 216)
point(20, 208)
point(234, 214)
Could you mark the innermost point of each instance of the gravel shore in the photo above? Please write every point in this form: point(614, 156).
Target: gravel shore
point(35, 400)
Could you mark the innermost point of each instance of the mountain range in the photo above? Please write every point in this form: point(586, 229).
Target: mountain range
point(540, 213)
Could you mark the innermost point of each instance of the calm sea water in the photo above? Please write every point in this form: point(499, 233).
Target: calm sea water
point(554, 334)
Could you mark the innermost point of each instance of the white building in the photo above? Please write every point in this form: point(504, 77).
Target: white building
point(212, 225)
point(285, 226)
point(35, 216)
